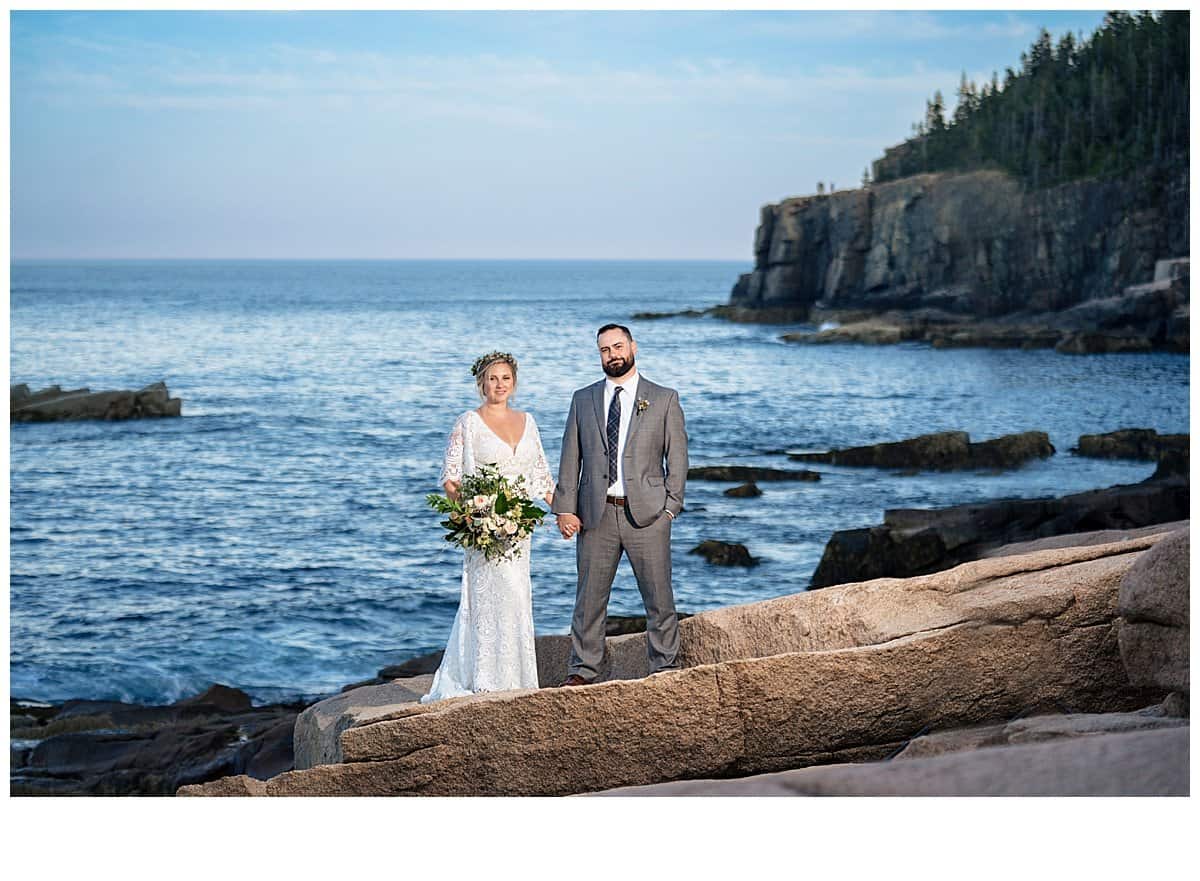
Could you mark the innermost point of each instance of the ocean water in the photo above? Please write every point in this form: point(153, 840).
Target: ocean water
point(275, 538)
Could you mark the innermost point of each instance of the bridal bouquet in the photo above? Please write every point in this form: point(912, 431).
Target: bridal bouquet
point(492, 514)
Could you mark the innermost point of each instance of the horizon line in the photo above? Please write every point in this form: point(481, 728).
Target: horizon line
point(14, 259)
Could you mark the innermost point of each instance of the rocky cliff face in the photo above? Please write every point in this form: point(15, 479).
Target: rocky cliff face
point(972, 244)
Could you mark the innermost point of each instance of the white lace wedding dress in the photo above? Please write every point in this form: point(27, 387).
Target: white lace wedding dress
point(491, 641)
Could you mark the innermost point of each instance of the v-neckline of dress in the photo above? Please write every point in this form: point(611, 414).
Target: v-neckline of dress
point(524, 428)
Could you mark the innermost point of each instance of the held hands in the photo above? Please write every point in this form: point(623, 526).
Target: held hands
point(568, 525)
point(452, 487)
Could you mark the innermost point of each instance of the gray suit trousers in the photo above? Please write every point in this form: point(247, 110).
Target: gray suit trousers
point(598, 551)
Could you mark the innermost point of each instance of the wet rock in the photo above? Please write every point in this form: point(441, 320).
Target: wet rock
point(874, 332)
point(915, 541)
point(1103, 344)
point(219, 697)
point(684, 313)
point(113, 748)
point(53, 404)
point(1172, 464)
point(761, 315)
point(1011, 451)
point(419, 666)
point(941, 451)
point(745, 491)
point(743, 473)
point(994, 335)
point(1144, 444)
point(721, 553)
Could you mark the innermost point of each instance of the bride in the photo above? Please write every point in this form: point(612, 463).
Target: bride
point(491, 641)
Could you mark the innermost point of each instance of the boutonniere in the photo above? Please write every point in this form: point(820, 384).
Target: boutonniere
point(642, 405)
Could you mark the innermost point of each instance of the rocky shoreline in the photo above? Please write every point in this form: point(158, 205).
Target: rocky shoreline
point(880, 589)
point(919, 541)
point(89, 747)
point(939, 684)
point(96, 747)
point(1152, 316)
point(1029, 646)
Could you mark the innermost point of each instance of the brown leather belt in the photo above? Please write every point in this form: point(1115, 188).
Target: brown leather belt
point(619, 501)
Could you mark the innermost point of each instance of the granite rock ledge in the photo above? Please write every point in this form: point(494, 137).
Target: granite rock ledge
point(847, 674)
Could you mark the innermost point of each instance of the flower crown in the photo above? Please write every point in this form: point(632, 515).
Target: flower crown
point(484, 361)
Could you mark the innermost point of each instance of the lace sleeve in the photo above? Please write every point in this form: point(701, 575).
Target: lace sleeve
point(540, 481)
point(452, 462)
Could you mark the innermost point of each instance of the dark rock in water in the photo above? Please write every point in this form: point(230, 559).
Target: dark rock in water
point(417, 666)
point(721, 553)
point(219, 697)
point(872, 332)
point(872, 552)
point(994, 335)
point(745, 491)
point(1145, 444)
point(1011, 450)
point(942, 451)
point(743, 473)
point(1172, 463)
point(917, 541)
point(54, 405)
point(112, 748)
point(977, 259)
point(1103, 344)
point(684, 313)
point(760, 314)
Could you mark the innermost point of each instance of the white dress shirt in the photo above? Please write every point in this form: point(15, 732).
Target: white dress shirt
point(629, 385)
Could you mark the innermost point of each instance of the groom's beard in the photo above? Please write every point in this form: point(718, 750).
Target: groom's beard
point(618, 367)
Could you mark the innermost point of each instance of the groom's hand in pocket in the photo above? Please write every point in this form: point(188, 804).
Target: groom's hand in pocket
point(568, 525)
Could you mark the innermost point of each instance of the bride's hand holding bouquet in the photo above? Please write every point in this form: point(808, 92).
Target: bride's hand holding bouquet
point(488, 513)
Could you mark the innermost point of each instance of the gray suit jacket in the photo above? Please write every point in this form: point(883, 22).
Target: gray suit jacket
point(654, 461)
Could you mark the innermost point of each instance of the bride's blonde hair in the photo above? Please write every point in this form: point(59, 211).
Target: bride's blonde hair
point(480, 368)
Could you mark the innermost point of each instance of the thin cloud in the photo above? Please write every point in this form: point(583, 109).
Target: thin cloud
point(480, 81)
point(909, 26)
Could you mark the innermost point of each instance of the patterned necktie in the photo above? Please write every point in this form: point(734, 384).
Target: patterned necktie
point(614, 434)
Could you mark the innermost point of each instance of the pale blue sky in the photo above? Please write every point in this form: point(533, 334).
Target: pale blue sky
point(623, 135)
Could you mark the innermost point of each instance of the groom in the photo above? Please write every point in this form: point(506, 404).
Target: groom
point(621, 475)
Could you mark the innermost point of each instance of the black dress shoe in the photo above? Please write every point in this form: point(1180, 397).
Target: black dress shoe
point(573, 680)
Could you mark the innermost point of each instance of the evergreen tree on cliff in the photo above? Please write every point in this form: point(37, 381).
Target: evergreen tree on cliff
point(1082, 108)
